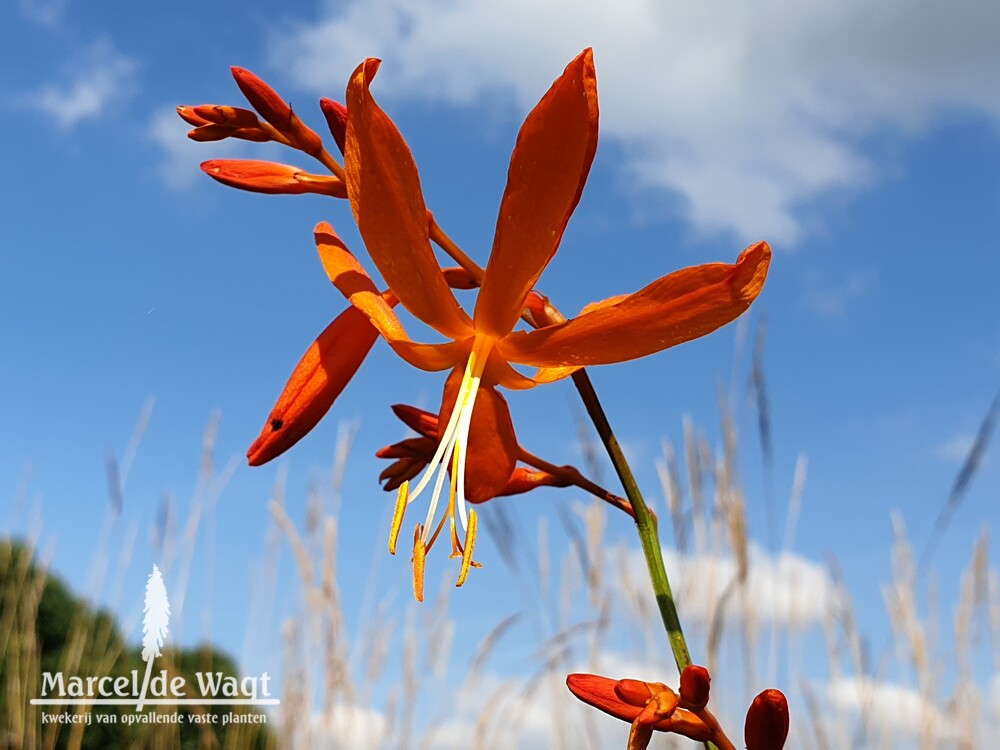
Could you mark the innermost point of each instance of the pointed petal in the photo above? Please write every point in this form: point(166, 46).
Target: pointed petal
point(420, 421)
point(547, 172)
point(492, 449)
point(384, 189)
point(320, 376)
point(350, 278)
point(682, 306)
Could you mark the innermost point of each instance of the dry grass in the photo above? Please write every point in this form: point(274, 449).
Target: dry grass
point(391, 683)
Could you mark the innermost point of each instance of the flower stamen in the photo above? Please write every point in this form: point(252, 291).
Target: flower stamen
point(470, 543)
point(397, 515)
point(419, 553)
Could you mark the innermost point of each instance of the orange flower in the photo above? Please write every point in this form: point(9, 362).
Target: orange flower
point(548, 169)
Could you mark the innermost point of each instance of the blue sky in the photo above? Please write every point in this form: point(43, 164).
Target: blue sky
point(861, 142)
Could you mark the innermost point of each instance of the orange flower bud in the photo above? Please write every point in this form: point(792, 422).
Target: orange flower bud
point(213, 132)
point(767, 721)
point(263, 98)
point(270, 177)
point(695, 681)
point(336, 120)
point(234, 117)
point(188, 115)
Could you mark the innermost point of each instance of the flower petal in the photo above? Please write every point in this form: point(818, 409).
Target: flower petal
point(492, 449)
point(547, 172)
point(679, 307)
point(319, 377)
point(350, 278)
point(384, 189)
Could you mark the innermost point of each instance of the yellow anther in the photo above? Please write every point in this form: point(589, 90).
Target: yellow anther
point(456, 546)
point(470, 543)
point(397, 515)
point(419, 552)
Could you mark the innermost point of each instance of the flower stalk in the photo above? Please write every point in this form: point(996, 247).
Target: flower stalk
point(645, 521)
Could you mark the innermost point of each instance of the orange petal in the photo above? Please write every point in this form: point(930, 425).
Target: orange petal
point(423, 422)
point(492, 450)
point(547, 172)
point(686, 304)
point(354, 283)
point(388, 205)
point(320, 376)
point(270, 177)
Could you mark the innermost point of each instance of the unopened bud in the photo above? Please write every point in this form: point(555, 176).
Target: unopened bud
point(695, 681)
point(767, 721)
point(270, 177)
point(234, 117)
point(336, 120)
point(263, 98)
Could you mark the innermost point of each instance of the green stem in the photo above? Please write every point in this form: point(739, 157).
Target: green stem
point(644, 520)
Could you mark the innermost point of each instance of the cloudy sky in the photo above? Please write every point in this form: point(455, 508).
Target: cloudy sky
point(861, 140)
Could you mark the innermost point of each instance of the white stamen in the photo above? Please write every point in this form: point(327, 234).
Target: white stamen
point(455, 439)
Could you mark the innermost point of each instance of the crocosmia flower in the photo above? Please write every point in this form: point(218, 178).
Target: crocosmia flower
point(548, 169)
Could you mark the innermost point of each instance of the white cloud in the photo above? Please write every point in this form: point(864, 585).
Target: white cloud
point(43, 12)
point(747, 111)
point(345, 727)
point(787, 590)
point(100, 79)
point(897, 715)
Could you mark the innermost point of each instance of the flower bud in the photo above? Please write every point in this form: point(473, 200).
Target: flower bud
point(336, 120)
point(234, 117)
point(695, 681)
point(263, 98)
point(270, 177)
point(767, 721)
